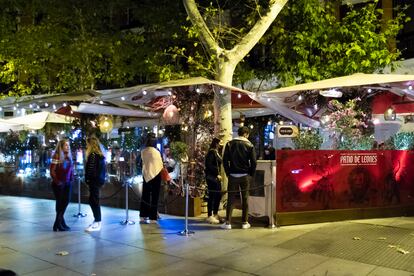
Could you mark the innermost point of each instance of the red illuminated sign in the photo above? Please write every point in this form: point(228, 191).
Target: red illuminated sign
point(308, 180)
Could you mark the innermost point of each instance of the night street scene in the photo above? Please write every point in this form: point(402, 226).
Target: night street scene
point(193, 137)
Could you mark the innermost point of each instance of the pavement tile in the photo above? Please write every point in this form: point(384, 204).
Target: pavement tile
point(22, 263)
point(334, 266)
point(293, 265)
point(190, 267)
point(250, 259)
point(53, 272)
point(140, 262)
point(385, 271)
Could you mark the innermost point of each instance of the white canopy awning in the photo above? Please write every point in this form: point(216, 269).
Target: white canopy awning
point(359, 79)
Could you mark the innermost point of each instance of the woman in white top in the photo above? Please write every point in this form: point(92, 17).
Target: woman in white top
point(151, 171)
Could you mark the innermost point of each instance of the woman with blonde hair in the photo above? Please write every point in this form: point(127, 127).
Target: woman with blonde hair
point(61, 171)
point(95, 178)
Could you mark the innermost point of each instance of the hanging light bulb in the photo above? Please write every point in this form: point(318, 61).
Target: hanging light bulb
point(389, 114)
point(208, 113)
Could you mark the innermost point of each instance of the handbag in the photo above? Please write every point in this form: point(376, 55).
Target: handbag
point(165, 176)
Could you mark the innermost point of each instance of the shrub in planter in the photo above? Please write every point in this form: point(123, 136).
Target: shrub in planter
point(310, 140)
point(401, 141)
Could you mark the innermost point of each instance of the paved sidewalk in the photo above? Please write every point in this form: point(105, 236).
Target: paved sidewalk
point(29, 247)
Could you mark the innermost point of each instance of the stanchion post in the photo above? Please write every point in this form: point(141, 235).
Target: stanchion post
point(185, 232)
point(79, 214)
point(271, 218)
point(126, 221)
point(272, 214)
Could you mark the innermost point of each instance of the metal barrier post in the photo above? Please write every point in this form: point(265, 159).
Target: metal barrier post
point(271, 217)
point(186, 232)
point(79, 214)
point(127, 221)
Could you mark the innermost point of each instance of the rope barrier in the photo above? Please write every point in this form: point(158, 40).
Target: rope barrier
point(235, 191)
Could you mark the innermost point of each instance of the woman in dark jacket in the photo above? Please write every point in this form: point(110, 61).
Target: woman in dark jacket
point(61, 171)
point(95, 178)
point(213, 179)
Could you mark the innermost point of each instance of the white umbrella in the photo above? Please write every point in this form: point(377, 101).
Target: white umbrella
point(6, 126)
point(39, 119)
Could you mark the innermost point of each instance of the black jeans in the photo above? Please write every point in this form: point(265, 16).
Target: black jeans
point(94, 189)
point(236, 183)
point(62, 194)
point(214, 196)
point(149, 199)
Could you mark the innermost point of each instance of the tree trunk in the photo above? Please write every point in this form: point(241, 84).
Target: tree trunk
point(228, 59)
point(222, 102)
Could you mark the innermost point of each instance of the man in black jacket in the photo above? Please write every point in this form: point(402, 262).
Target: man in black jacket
point(239, 161)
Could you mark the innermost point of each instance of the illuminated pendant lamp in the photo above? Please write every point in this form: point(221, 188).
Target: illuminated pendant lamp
point(389, 114)
point(171, 115)
point(105, 124)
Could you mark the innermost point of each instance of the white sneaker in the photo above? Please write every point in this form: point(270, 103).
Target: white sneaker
point(221, 220)
point(226, 226)
point(95, 226)
point(246, 225)
point(213, 220)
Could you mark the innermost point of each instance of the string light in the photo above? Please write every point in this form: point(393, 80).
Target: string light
point(198, 90)
point(221, 91)
point(369, 90)
point(123, 98)
point(239, 96)
point(410, 87)
point(64, 104)
point(268, 99)
point(144, 92)
point(300, 98)
point(101, 102)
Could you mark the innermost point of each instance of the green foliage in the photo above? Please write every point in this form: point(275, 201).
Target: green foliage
point(307, 42)
point(67, 47)
point(350, 125)
point(362, 142)
point(401, 141)
point(13, 144)
point(310, 140)
point(179, 150)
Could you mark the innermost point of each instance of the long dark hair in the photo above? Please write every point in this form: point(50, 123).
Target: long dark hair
point(151, 140)
point(215, 143)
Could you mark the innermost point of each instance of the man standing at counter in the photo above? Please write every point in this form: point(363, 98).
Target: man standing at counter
point(239, 161)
